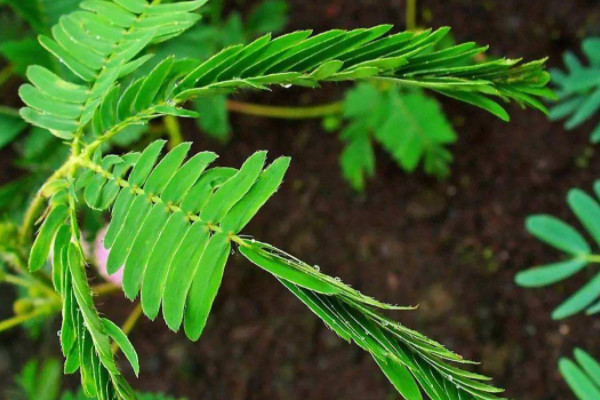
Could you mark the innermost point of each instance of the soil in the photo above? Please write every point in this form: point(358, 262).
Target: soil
point(453, 246)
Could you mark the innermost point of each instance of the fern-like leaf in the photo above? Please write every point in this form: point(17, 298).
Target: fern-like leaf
point(173, 223)
point(294, 59)
point(579, 88)
point(577, 251)
point(99, 44)
point(172, 229)
point(85, 336)
point(409, 125)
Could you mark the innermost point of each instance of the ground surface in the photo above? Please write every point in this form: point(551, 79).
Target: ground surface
point(452, 247)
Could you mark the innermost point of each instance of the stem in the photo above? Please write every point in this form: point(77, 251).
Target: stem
point(105, 288)
point(20, 319)
point(593, 258)
point(286, 112)
point(16, 280)
point(173, 130)
point(5, 74)
point(11, 112)
point(411, 15)
point(129, 324)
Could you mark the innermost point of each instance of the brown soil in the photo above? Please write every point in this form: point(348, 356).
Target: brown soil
point(453, 247)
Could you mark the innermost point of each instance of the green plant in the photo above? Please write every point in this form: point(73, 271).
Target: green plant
point(174, 224)
point(577, 252)
point(43, 381)
point(583, 376)
point(410, 126)
point(578, 88)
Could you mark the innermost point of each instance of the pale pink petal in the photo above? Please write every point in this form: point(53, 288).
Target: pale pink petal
point(101, 258)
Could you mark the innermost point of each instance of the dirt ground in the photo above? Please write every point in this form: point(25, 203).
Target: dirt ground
point(453, 247)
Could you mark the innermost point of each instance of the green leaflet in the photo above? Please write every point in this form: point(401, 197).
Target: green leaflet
point(142, 248)
point(266, 185)
point(145, 163)
point(166, 168)
point(205, 285)
point(43, 242)
point(283, 270)
point(587, 210)
point(557, 234)
point(158, 264)
point(234, 189)
point(136, 215)
point(183, 268)
point(582, 378)
point(123, 342)
point(551, 273)
point(401, 379)
point(186, 176)
point(580, 300)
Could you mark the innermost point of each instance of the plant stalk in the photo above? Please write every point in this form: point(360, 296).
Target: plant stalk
point(411, 15)
point(260, 110)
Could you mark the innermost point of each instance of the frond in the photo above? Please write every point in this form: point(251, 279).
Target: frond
point(582, 376)
point(85, 336)
point(409, 125)
point(172, 229)
point(100, 44)
point(577, 253)
point(578, 88)
point(297, 58)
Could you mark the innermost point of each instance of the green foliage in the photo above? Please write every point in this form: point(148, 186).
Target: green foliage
point(582, 376)
point(579, 88)
point(576, 250)
point(40, 381)
point(409, 125)
point(11, 126)
point(174, 224)
point(36, 382)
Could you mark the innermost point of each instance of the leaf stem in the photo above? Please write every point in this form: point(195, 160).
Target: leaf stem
point(593, 258)
point(5, 74)
point(11, 112)
point(105, 289)
point(20, 319)
point(411, 15)
point(173, 130)
point(286, 112)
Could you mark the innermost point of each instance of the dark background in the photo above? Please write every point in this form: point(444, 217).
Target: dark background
point(453, 247)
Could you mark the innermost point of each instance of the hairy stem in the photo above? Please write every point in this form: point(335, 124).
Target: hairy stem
point(286, 112)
